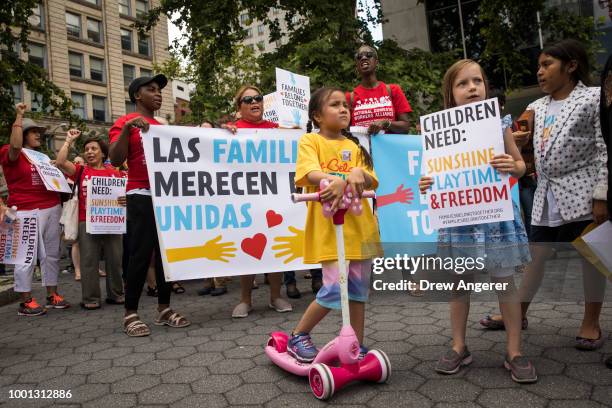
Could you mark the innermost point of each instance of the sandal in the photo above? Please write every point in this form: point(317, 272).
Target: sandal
point(177, 288)
point(90, 306)
point(171, 318)
point(135, 328)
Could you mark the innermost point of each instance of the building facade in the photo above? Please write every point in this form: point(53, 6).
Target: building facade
point(91, 50)
point(258, 34)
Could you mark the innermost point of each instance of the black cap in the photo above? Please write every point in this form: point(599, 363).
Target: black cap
point(159, 79)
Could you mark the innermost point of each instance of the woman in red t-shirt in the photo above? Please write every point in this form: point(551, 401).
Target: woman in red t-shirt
point(373, 103)
point(27, 192)
point(95, 151)
point(249, 103)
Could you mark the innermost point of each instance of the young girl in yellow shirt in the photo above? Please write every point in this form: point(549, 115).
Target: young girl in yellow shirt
point(335, 155)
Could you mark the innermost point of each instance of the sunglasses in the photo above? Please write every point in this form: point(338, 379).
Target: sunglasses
point(367, 54)
point(250, 99)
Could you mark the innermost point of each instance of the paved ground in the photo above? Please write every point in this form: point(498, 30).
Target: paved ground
point(220, 362)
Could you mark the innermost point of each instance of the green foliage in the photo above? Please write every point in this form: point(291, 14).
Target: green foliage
point(14, 30)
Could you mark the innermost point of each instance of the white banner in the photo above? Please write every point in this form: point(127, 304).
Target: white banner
point(52, 176)
point(104, 214)
point(458, 145)
point(222, 202)
point(19, 240)
point(271, 107)
point(293, 94)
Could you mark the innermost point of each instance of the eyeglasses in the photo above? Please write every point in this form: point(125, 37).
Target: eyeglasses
point(250, 99)
point(367, 54)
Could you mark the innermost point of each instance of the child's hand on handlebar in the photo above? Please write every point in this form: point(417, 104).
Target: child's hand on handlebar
point(333, 192)
point(356, 179)
point(424, 183)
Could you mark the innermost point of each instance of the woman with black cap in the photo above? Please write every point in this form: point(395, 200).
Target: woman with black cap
point(27, 192)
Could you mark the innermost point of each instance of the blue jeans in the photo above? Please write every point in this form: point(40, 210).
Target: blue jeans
point(289, 276)
point(527, 188)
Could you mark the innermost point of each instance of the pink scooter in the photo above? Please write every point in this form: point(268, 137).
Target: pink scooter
point(338, 362)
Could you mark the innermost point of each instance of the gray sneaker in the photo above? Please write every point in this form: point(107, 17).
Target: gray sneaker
point(521, 370)
point(451, 362)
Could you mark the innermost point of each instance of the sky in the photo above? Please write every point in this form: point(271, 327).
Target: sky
point(174, 32)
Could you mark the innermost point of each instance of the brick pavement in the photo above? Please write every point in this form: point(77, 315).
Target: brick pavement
point(218, 362)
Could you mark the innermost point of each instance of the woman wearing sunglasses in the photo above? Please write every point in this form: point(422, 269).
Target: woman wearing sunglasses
point(374, 104)
point(249, 105)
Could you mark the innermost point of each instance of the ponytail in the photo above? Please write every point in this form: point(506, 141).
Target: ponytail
point(367, 159)
point(309, 126)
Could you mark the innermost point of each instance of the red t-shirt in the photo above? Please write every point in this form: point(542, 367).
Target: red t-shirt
point(245, 124)
point(88, 172)
point(371, 105)
point(138, 176)
point(26, 188)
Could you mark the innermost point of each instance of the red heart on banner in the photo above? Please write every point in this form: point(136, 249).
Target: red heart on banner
point(273, 218)
point(254, 246)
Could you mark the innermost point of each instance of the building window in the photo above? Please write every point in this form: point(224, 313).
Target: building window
point(94, 2)
point(37, 102)
point(18, 91)
point(146, 72)
point(261, 45)
point(75, 62)
point(249, 33)
point(73, 25)
point(261, 29)
point(96, 69)
point(279, 43)
point(142, 7)
point(244, 18)
point(37, 55)
point(124, 7)
point(98, 104)
point(78, 104)
point(126, 39)
point(143, 44)
point(128, 74)
point(130, 107)
point(295, 19)
point(94, 30)
point(180, 88)
point(37, 19)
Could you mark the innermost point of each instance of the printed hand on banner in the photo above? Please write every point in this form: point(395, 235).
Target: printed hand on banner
point(212, 250)
point(297, 116)
point(291, 247)
point(401, 195)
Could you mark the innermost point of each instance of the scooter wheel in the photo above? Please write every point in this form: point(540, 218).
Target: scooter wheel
point(385, 364)
point(321, 381)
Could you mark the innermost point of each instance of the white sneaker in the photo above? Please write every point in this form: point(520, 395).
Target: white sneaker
point(242, 310)
point(281, 305)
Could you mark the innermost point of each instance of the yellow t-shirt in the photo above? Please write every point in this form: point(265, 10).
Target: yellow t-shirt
point(337, 157)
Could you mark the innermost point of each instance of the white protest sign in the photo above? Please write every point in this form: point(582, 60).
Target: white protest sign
point(458, 145)
point(52, 176)
point(222, 202)
point(271, 107)
point(19, 240)
point(104, 214)
point(293, 94)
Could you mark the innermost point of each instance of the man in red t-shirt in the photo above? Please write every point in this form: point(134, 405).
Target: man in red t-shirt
point(374, 104)
point(27, 192)
point(126, 143)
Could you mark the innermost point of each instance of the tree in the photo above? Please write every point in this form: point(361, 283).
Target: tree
point(14, 30)
point(321, 42)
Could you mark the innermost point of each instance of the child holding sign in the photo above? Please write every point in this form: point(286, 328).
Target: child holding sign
point(336, 156)
point(465, 82)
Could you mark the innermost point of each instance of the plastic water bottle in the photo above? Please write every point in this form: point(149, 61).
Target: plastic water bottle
point(11, 215)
